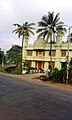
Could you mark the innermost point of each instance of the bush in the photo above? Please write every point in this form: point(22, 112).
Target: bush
point(62, 75)
point(2, 70)
point(59, 75)
point(70, 75)
point(43, 77)
point(16, 71)
point(13, 69)
point(55, 75)
point(10, 68)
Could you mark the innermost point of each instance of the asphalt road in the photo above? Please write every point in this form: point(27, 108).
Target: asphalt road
point(24, 99)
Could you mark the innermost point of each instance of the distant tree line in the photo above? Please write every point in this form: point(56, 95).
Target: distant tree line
point(13, 55)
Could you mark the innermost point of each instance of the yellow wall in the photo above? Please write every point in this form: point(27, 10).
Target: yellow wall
point(46, 47)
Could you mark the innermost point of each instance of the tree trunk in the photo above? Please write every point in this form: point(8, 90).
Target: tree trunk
point(22, 48)
point(50, 50)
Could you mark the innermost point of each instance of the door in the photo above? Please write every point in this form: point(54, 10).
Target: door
point(39, 64)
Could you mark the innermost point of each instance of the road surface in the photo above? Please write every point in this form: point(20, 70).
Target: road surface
point(22, 98)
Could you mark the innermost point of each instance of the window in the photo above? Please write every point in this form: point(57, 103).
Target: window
point(29, 53)
point(39, 64)
point(63, 53)
point(30, 62)
point(40, 53)
point(52, 63)
point(52, 53)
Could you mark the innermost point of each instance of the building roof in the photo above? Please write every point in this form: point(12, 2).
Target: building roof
point(39, 41)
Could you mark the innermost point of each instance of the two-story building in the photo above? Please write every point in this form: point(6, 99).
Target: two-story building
point(38, 54)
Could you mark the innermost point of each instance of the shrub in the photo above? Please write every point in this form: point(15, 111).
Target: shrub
point(55, 75)
point(16, 71)
point(62, 75)
point(10, 68)
point(2, 70)
point(43, 77)
point(70, 75)
point(59, 75)
point(50, 68)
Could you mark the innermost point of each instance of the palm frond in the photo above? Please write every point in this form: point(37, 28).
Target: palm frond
point(57, 18)
point(17, 29)
point(41, 34)
point(19, 34)
point(47, 37)
point(59, 23)
point(42, 24)
point(40, 30)
point(31, 32)
point(45, 19)
point(17, 25)
point(31, 24)
point(45, 33)
point(31, 28)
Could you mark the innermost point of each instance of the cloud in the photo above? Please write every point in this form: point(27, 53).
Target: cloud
point(19, 11)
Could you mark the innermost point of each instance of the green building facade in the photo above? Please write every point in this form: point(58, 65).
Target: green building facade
point(38, 54)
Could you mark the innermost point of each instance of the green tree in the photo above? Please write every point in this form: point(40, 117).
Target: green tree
point(26, 64)
point(50, 26)
point(13, 55)
point(70, 62)
point(24, 30)
point(70, 71)
point(0, 57)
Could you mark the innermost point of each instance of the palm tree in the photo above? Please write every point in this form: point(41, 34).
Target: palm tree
point(24, 30)
point(71, 38)
point(50, 27)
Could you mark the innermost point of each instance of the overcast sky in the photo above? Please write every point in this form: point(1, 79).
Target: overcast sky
point(19, 11)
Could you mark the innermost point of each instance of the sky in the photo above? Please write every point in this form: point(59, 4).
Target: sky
point(20, 11)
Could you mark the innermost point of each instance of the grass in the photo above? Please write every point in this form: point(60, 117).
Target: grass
point(2, 70)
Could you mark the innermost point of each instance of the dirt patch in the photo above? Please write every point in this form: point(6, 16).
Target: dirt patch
point(51, 82)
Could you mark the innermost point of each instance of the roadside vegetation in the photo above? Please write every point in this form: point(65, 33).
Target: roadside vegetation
point(58, 76)
point(54, 75)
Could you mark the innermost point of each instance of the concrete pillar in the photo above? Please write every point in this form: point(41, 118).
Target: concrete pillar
point(58, 52)
point(58, 57)
point(45, 65)
point(59, 40)
point(33, 64)
point(34, 54)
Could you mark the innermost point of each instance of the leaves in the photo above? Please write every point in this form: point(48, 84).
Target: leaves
point(13, 55)
point(50, 26)
point(17, 25)
point(24, 30)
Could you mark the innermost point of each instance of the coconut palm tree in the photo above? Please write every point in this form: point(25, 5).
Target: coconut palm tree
point(50, 27)
point(71, 38)
point(24, 30)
